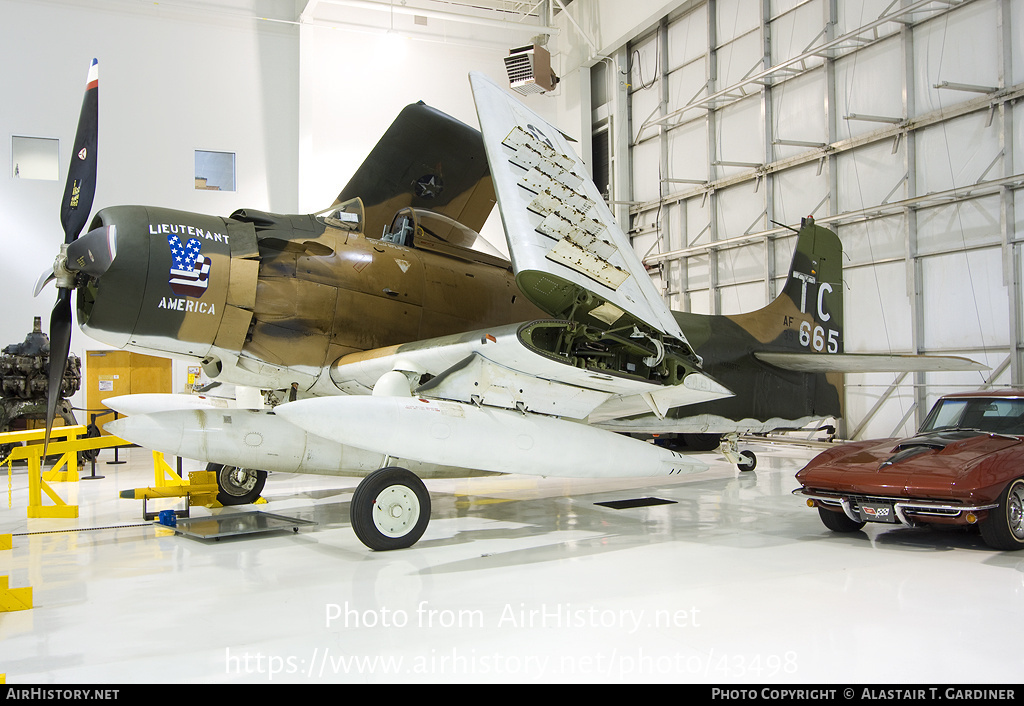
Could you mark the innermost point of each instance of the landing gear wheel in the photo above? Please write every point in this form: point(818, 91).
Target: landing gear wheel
point(747, 462)
point(702, 442)
point(1004, 526)
point(390, 509)
point(838, 521)
point(238, 486)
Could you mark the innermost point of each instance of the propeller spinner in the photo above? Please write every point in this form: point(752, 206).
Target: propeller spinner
point(79, 258)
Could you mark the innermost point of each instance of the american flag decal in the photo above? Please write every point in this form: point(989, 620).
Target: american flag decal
point(190, 269)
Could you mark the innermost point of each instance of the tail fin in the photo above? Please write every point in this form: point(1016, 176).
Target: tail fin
point(807, 316)
point(426, 159)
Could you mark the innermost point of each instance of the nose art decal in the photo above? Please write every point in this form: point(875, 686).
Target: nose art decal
point(190, 269)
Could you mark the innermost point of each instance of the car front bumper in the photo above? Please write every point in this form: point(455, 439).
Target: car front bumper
point(907, 511)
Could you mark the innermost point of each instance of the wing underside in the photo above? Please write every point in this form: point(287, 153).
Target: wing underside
point(501, 367)
point(570, 256)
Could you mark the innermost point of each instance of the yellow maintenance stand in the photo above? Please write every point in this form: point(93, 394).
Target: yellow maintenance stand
point(199, 490)
point(65, 470)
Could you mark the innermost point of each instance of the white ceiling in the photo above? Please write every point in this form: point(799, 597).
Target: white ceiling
point(430, 16)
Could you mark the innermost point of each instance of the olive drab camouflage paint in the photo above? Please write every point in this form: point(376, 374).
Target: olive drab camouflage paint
point(806, 318)
point(277, 298)
point(426, 159)
point(283, 295)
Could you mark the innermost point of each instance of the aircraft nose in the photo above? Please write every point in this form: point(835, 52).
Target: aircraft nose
point(93, 252)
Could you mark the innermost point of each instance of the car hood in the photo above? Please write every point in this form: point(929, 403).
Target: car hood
point(927, 465)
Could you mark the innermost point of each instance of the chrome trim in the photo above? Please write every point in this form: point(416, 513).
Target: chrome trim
point(900, 505)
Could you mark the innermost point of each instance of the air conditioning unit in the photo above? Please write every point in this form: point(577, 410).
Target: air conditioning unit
point(529, 70)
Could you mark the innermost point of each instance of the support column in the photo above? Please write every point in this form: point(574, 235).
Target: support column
point(1007, 213)
point(913, 264)
point(714, 297)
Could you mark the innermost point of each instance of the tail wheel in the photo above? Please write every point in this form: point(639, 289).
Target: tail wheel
point(747, 462)
point(390, 509)
point(238, 486)
point(1004, 526)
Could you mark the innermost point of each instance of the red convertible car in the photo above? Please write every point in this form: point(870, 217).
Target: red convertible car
point(964, 467)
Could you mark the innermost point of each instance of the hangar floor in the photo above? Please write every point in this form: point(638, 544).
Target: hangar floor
point(516, 579)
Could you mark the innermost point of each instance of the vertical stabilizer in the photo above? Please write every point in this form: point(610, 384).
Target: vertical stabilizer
point(807, 316)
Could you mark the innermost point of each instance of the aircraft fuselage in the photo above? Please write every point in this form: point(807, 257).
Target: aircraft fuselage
point(267, 300)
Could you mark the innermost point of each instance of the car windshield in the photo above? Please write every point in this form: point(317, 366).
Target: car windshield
point(991, 414)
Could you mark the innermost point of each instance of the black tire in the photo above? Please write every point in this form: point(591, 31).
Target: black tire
point(702, 442)
point(238, 486)
point(390, 509)
point(748, 461)
point(838, 521)
point(1004, 527)
point(91, 432)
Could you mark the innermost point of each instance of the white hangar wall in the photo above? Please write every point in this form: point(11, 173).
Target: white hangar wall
point(892, 123)
point(172, 81)
point(298, 91)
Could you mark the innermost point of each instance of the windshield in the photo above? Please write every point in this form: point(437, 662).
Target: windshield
point(998, 415)
point(347, 216)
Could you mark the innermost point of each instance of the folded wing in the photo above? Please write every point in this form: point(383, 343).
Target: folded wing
point(570, 256)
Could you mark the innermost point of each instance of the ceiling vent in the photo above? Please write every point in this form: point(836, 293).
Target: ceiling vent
point(529, 70)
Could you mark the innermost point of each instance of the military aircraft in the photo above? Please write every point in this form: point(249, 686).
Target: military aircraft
point(388, 343)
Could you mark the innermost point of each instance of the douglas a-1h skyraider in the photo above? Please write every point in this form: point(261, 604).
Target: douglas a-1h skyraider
point(387, 342)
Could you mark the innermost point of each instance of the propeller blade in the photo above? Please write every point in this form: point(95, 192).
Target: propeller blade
point(81, 184)
point(97, 252)
point(60, 345)
point(93, 252)
point(44, 279)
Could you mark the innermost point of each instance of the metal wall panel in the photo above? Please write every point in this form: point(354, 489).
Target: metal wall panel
point(893, 123)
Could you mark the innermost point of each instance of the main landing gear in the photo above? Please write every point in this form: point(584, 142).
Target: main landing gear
point(730, 448)
point(238, 486)
point(390, 509)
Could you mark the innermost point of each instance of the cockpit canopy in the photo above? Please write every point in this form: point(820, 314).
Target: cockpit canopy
point(428, 230)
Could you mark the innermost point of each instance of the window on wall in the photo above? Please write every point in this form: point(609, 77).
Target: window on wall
point(215, 171)
point(35, 158)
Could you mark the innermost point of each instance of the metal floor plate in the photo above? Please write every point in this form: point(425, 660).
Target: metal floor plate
point(230, 525)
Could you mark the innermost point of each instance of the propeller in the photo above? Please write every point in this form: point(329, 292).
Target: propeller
point(85, 255)
point(91, 254)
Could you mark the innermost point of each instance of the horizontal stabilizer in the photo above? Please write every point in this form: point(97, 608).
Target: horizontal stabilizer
point(867, 362)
